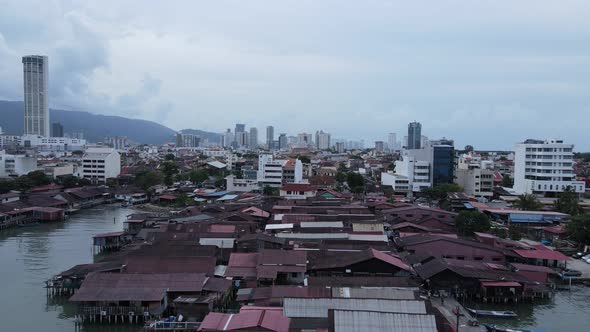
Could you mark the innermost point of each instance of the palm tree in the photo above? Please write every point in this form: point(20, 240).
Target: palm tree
point(528, 202)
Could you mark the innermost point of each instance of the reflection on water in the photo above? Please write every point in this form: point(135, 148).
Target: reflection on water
point(31, 255)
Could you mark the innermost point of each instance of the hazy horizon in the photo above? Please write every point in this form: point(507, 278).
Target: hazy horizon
point(489, 74)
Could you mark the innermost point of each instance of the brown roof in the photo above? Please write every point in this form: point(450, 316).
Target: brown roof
point(147, 264)
point(298, 187)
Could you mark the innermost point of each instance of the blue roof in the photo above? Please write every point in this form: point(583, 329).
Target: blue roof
point(468, 206)
point(217, 194)
point(524, 217)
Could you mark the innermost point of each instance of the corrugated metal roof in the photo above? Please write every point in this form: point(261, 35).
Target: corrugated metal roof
point(368, 321)
point(313, 235)
point(278, 226)
point(387, 293)
point(322, 224)
point(318, 308)
point(218, 242)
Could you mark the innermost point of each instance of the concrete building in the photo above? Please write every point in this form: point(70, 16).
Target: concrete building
point(392, 141)
point(240, 185)
point(322, 140)
point(57, 130)
point(253, 139)
point(270, 137)
point(187, 140)
point(283, 141)
point(379, 146)
point(475, 176)
point(56, 144)
point(544, 167)
point(414, 135)
point(100, 164)
point(270, 171)
point(227, 138)
point(119, 142)
point(304, 140)
point(36, 80)
point(340, 147)
point(16, 165)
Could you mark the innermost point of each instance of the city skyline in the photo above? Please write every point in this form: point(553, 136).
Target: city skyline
point(459, 83)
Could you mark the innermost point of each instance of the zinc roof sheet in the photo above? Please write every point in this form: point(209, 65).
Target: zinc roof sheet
point(368, 321)
point(318, 308)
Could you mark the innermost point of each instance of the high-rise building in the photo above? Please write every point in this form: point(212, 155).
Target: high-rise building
point(322, 140)
point(240, 128)
point(36, 77)
point(304, 139)
point(340, 147)
point(228, 138)
point(542, 167)
point(282, 141)
point(187, 140)
point(414, 135)
point(379, 146)
point(270, 136)
point(57, 130)
point(392, 141)
point(253, 138)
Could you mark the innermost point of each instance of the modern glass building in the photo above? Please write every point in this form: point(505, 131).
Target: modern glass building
point(443, 164)
point(35, 78)
point(414, 135)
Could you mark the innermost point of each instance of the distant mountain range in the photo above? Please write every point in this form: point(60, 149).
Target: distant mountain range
point(96, 127)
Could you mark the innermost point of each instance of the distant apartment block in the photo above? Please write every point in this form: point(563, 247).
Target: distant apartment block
point(57, 130)
point(544, 167)
point(100, 164)
point(16, 165)
point(414, 135)
point(475, 176)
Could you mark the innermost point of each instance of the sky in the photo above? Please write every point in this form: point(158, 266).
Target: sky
point(485, 73)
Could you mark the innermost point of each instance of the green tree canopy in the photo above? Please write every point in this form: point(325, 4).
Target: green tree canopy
point(270, 191)
point(528, 202)
point(579, 229)
point(567, 202)
point(169, 156)
point(468, 222)
point(169, 168)
point(355, 180)
point(147, 179)
point(38, 178)
point(198, 176)
point(507, 181)
point(441, 191)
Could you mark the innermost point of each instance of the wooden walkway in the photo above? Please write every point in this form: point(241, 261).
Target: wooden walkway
point(449, 308)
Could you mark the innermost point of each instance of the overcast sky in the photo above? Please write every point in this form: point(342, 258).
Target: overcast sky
point(486, 73)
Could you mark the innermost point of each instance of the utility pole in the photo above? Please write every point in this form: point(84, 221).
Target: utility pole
point(458, 315)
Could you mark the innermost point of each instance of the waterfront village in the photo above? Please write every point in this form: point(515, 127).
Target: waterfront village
point(301, 234)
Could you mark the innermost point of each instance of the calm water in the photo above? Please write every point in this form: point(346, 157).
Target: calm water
point(29, 256)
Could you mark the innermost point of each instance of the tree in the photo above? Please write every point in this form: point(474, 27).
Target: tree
point(355, 180)
point(507, 181)
point(567, 202)
point(169, 168)
point(270, 191)
point(169, 157)
point(6, 186)
point(340, 177)
point(441, 191)
point(304, 159)
point(38, 178)
point(527, 202)
point(147, 179)
point(579, 229)
point(468, 222)
point(515, 233)
point(198, 176)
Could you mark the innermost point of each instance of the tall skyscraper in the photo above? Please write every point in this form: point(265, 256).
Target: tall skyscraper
point(35, 74)
point(414, 135)
point(282, 141)
point(270, 136)
point(240, 128)
point(57, 130)
point(253, 138)
point(392, 141)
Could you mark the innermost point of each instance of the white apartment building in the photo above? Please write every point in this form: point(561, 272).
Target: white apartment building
point(100, 164)
point(274, 173)
point(52, 143)
point(322, 140)
point(16, 165)
point(240, 185)
point(475, 176)
point(542, 167)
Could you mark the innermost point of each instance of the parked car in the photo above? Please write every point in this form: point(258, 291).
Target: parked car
point(578, 255)
point(571, 273)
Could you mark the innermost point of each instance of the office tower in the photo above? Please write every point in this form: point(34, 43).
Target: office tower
point(270, 136)
point(392, 141)
point(57, 130)
point(414, 135)
point(544, 166)
point(228, 138)
point(240, 128)
point(340, 147)
point(322, 140)
point(253, 144)
point(304, 139)
point(282, 141)
point(36, 77)
point(379, 146)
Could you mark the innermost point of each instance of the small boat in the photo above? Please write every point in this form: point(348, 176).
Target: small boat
point(494, 328)
point(493, 313)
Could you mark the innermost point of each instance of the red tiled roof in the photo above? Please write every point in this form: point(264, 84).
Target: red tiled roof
point(168, 197)
point(298, 187)
point(237, 259)
point(541, 252)
point(217, 228)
